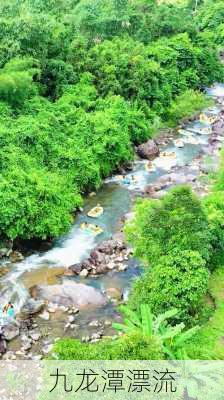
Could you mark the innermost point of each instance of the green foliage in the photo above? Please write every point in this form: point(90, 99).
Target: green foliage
point(81, 82)
point(185, 105)
point(16, 81)
point(178, 279)
point(211, 14)
point(214, 208)
point(175, 222)
point(34, 201)
point(207, 344)
point(128, 347)
point(171, 338)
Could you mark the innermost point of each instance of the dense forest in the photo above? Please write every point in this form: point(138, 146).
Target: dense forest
point(82, 82)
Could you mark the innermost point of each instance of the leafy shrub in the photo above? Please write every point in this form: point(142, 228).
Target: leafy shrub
point(128, 347)
point(16, 81)
point(179, 279)
point(178, 221)
point(34, 201)
point(185, 105)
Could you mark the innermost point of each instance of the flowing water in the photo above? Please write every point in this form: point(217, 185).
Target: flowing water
point(116, 198)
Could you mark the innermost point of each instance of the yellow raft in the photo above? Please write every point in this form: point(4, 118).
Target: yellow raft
point(179, 143)
point(169, 154)
point(208, 119)
point(95, 212)
point(91, 229)
point(150, 167)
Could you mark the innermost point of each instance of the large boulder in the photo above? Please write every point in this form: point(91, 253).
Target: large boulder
point(31, 307)
point(111, 245)
point(148, 150)
point(97, 257)
point(10, 331)
point(218, 127)
point(16, 256)
point(3, 345)
point(72, 294)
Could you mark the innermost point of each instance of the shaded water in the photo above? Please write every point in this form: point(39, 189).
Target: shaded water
point(115, 197)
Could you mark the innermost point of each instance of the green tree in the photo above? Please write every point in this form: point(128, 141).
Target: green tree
point(178, 221)
point(179, 279)
point(16, 81)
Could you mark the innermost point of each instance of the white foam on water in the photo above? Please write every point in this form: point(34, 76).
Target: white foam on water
point(216, 91)
point(72, 249)
point(165, 163)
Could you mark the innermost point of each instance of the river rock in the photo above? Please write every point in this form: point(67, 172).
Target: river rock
point(76, 268)
point(101, 269)
point(122, 267)
point(16, 256)
point(27, 344)
point(111, 265)
point(85, 339)
point(218, 127)
point(47, 348)
point(71, 319)
point(4, 252)
point(45, 316)
point(72, 294)
point(148, 150)
point(94, 324)
point(35, 335)
point(114, 293)
point(112, 245)
point(9, 356)
point(149, 190)
point(107, 323)
point(97, 256)
point(128, 166)
point(3, 271)
point(10, 331)
point(3, 345)
point(31, 307)
point(96, 336)
point(84, 273)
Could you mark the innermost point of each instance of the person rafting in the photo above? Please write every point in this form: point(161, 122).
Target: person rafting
point(91, 229)
point(10, 311)
point(126, 180)
point(7, 313)
point(150, 167)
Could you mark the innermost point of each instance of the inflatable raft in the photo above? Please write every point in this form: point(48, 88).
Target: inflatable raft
point(95, 212)
point(208, 119)
point(91, 229)
point(169, 154)
point(178, 143)
point(150, 167)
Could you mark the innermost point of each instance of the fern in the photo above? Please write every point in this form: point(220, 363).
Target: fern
point(147, 320)
point(163, 317)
